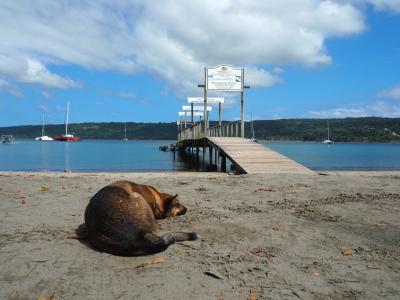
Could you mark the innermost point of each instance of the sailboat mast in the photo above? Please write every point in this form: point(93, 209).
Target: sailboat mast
point(66, 119)
point(327, 122)
point(252, 127)
point(43, 125)
point(125, 130)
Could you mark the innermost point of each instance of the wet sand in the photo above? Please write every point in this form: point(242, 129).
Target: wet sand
point(280, 236)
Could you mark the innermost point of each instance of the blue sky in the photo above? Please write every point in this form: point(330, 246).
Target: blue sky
point(138, 61)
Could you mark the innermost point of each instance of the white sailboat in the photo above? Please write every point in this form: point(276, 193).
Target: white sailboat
point(253, 137)
point(125, 138)
point(43, 137)
point(327, 141)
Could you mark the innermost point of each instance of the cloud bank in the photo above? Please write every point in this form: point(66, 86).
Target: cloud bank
point(393, 93)
point(378, 109)
point(389, 5)
point(173, 40)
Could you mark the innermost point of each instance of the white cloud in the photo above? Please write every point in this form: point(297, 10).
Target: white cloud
point(44, 108)
point(47, 95)
point(378, 109)
point(391, 5)
point(30, 70)
point(3, 84)
point(36, 72)
point(12, 89)
point(393, 93)
point(278, 70)
point(126, 95)
point(174, 40)
point(261, 78)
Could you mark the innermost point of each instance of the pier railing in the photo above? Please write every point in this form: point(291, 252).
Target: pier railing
point(230, 129)
point(196, 132)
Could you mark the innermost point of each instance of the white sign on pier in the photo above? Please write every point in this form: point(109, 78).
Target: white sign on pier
point(224, 78)
point(209, 100)
point(188, 114)
point(196, 108)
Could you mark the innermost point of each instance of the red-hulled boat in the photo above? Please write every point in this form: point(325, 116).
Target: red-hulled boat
point(67, 137)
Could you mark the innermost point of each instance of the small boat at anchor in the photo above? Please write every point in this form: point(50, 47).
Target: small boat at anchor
point(125, 139)
point(7, 139)
point(43, 137)
point(327, 141)
point(67, 137)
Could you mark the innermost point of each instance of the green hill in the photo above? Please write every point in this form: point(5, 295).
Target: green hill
point(111, 130)
point(369, 129)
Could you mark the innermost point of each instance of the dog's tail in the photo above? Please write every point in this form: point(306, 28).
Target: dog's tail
point(183, 236)
point(82, 232)
point(155, 243)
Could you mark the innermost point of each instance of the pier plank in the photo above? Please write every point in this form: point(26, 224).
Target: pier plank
point(252, 157)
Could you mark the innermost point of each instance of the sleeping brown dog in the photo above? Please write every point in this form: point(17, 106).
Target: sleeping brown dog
point(121, 219)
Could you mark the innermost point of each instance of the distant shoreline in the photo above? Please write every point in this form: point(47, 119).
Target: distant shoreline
point(260, 140)
point(366, 129)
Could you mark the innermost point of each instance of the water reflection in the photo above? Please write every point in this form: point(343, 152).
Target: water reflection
point(44, 153)
point(193, 160)
point(66, 157)
point(145, 156)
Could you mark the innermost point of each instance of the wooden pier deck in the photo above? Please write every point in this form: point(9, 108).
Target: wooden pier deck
point(252, 157)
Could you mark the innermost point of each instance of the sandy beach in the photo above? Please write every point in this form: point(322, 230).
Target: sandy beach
point(280, 236)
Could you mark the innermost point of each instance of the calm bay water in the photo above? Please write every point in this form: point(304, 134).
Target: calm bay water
point(144, 156)
point(87, 156)
point(341, 156)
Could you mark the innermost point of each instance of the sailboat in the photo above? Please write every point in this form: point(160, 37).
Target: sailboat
point(253, 138)
point(67, 137)
point(327, 141)
point(125, 138)
point(43, 137)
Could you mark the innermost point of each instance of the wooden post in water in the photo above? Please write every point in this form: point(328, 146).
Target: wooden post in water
point(223, 163)
point(210, 149)
point(204, 153)
point(197, 158)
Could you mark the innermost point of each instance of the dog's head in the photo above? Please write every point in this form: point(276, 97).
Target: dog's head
point(172, 207)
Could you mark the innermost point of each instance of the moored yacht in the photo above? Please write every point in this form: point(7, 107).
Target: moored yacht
point(43, 137)
point(67, 136)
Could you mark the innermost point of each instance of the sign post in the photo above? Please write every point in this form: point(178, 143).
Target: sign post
point(219, 114)
point(242, 110)
point(192, 113)
point(210, 100)
point(205, 103)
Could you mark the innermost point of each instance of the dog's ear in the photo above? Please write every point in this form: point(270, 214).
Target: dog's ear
point(173, 197)
point(168, 199)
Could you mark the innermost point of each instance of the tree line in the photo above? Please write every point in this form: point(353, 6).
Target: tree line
point(369, 129)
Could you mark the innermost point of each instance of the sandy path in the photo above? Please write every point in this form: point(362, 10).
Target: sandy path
point(279, 236)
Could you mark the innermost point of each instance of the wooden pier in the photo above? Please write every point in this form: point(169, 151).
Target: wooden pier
point(245, 155)
point(251, 157)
